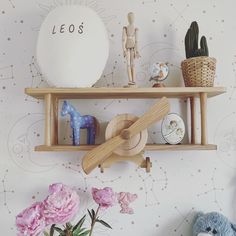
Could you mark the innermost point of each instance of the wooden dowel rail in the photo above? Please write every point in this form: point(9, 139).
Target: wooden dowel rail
point(193, 119)
point(51, 120)
point(203, 106)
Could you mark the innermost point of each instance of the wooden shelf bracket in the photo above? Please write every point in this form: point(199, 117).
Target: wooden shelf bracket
point(193, 119)
point(51, 120)
point(203, 106)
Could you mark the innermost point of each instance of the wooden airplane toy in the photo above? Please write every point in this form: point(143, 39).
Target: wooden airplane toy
point(126, 137)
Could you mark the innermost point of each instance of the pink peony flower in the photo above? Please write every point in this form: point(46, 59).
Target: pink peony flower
point(31, 221)
point(124, 200)
point(105, 198)
point(61, 205)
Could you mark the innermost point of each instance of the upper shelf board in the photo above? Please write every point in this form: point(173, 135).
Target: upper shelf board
point(104, 93)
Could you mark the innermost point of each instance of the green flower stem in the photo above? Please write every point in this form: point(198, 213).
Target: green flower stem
point(68, 233)
point(94, 221)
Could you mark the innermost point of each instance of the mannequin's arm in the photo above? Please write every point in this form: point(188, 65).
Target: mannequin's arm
point(137, 55)
point(124, 38)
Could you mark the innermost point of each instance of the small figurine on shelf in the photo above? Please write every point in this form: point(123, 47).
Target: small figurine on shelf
point(130, 48)
point(159, 72)
point(173, 129)
point(78, 122)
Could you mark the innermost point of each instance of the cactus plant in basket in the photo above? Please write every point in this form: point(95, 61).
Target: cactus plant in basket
point(198, 69)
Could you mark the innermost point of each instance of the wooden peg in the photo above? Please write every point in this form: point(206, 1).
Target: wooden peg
point(147, 164)
point(203, 105)
point(51, 120)
point(193, 119)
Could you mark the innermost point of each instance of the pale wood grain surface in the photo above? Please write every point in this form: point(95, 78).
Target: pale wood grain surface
point(51, 120)
point(203, 106)
point(132, 146)
point(148, 147)
point(101, 153)
point(193, 119)
point(103, 93)
point(154, 114)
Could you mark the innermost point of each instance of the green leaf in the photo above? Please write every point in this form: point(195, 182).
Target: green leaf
point(46, 233)
point(77, 231)
point(90, 214)
point(52, 230)
point(85, 233)
point(81, 232)
point(60, 231)
point(79, 224)
point(93, 213)
point(104, 223)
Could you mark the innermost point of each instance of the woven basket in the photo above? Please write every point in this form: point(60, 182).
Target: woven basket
point(199, 71)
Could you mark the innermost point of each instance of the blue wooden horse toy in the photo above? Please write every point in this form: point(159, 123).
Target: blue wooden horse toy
point(78, 122)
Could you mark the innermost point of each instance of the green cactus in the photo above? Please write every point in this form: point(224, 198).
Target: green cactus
point(188, 44)
point(194, 34)
point(203, 44)
point(191, 42)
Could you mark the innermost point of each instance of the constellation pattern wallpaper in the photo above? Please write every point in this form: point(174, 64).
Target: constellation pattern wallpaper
point(180, 183)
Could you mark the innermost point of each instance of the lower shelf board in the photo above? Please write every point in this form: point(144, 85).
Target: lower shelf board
point(149, 147)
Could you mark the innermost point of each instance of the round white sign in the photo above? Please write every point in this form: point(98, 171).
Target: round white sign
point(173, 128)
point(73, 47)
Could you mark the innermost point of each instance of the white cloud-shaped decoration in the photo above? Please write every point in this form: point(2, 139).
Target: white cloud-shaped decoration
point(73, 47)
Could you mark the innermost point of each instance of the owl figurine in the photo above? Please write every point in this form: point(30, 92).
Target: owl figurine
point(159, 72)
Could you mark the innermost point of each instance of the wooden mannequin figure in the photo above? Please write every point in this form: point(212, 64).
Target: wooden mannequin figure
point(130, 48)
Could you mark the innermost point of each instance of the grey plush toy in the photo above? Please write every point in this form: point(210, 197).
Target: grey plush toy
point(213, 224)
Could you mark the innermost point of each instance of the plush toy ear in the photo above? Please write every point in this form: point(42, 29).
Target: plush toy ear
point(198, 214)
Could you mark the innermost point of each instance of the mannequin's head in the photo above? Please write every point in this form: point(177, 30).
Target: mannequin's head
point(131, 17)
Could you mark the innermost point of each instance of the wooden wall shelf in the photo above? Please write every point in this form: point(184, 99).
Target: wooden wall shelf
point(52, 96)
point(119, 93)
point(149, 147)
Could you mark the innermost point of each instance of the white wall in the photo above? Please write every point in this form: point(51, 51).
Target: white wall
point(180, 182)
